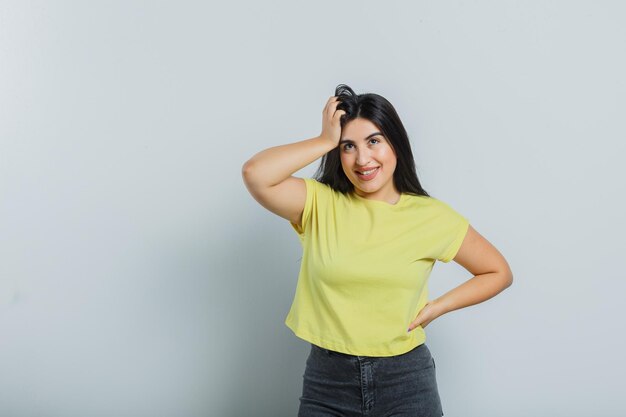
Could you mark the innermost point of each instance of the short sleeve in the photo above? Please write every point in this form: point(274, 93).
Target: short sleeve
point(312, 187)
point(452, 228)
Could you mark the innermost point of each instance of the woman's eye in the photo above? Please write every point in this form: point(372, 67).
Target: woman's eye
point(349, 144)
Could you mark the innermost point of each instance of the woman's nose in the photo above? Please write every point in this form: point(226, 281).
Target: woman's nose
point(362, 158)
point(363, 161)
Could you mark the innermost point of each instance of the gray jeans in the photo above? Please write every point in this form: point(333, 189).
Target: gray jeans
point(338, 384)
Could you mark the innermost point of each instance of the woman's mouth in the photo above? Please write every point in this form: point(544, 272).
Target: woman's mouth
point(367, 175)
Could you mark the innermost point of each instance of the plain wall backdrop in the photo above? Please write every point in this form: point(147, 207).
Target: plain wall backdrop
point(138, 277)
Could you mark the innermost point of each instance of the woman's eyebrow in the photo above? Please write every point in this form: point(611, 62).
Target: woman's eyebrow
point(351, 141)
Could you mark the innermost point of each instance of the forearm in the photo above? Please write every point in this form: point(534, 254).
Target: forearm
point(273, 165)
point(475, 290)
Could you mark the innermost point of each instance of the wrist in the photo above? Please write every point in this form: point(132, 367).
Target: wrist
point(440, 307)
point(332, 144)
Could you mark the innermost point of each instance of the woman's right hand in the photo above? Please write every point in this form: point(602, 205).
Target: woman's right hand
point(331, 126)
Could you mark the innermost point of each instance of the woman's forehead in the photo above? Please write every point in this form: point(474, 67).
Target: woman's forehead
point(359, 129)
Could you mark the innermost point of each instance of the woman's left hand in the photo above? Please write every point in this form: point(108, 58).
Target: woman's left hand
point(427, 314)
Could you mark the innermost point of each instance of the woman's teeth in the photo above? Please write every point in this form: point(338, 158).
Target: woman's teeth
point(368, 175)
point(367, 172)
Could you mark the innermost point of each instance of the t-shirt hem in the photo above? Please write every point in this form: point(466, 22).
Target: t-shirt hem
point(343, 348)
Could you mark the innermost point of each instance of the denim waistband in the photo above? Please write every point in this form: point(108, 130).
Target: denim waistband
point(347, 355)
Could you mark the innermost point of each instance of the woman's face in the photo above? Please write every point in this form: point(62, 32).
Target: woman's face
point(362, 148)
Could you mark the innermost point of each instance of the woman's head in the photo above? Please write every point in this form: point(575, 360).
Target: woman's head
point(368, 160)
point(372, 135)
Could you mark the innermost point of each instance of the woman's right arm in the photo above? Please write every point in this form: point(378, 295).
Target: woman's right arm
point(268, 174)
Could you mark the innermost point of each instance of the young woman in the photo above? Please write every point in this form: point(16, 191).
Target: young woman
point(370, 236)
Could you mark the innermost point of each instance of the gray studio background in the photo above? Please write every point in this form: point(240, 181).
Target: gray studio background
point(139, 278)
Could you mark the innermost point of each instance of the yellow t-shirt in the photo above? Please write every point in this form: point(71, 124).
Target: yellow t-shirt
point(365, 266)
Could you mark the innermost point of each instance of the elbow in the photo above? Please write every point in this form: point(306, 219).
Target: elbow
point(246, 171)
point(508, 278)
point(505, 276)
point(507, 273)
point(510, 281)
point(245, 168)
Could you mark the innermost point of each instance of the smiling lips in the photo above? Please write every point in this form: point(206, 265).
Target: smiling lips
point(371, 173)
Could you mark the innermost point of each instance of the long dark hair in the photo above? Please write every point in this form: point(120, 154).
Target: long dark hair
point(381, 113)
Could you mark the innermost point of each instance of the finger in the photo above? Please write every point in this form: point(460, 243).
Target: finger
point(330, 99)
point(339, 113)
point(332, 109)
point(413, 326)
point(328, 111)
point(331, 106)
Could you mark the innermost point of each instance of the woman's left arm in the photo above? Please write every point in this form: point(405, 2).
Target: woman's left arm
point(492, 275)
